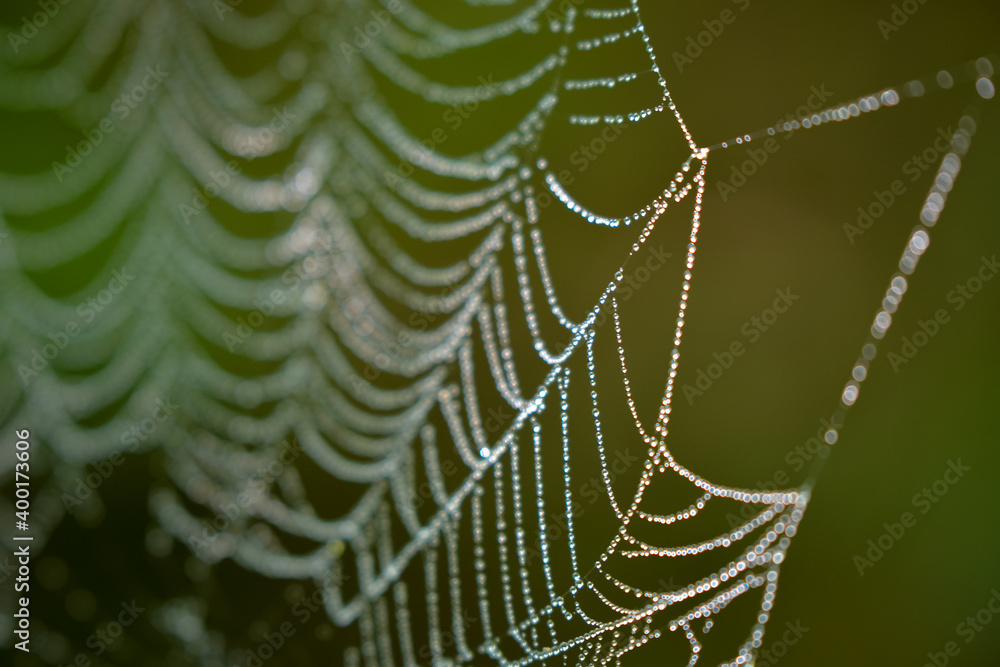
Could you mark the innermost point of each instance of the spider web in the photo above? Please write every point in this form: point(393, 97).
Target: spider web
point(377, 359)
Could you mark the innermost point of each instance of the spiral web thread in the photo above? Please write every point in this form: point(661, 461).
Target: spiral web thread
point(340, 323)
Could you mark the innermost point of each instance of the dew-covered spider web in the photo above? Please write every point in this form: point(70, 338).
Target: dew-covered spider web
point(377, 320)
